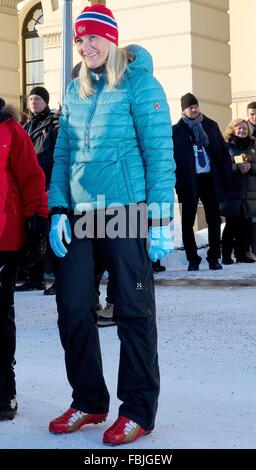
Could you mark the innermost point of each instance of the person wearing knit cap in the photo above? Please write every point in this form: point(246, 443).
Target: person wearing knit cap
point(42, 127)
point(188, 100)
point(98, 21)
point(251, 114)
point(203, 170)
point(113, 158)
point(42, 92)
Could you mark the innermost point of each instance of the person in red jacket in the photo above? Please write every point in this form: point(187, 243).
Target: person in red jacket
point(23, 229)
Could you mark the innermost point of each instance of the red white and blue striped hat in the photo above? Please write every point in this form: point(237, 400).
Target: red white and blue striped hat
point(97, 20)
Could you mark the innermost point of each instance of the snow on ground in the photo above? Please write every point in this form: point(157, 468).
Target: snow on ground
point(207, 351)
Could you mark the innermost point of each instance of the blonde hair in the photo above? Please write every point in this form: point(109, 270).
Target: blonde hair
point(116, 65)
point(235, 123)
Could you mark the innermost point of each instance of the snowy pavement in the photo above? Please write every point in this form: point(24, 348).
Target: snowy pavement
point(207, 353)
point(238, 274)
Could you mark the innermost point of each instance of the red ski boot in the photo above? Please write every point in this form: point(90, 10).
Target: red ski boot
point(74, 419)
point(123, 431)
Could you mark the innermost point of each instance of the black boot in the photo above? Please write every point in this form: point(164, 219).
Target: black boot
point(227, 260)
point(30, 285)
point(194, 264)
point(215, 265)
point(51, 290)
point(157, 267)
point(8, 408)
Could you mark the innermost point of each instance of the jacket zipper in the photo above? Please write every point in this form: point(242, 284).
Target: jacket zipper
point(42, 126)
point(89, 120)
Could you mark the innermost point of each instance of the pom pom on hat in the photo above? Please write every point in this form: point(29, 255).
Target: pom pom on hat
point(96, 20)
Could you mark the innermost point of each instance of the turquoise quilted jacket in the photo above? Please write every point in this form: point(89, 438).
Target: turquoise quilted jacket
point(115, 147)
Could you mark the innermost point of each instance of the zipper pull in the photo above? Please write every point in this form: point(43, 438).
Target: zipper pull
point(86, 138)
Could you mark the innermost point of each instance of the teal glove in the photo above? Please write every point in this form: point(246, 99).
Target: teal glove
point(60, 228)
point(159, 242)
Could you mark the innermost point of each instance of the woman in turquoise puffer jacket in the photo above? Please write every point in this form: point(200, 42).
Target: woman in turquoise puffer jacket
point(113, 156)
point(110, 142)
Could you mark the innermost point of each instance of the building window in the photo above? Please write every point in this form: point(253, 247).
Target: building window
point(33, 53)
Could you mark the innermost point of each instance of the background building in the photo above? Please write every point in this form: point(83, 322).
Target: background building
point(201, 46)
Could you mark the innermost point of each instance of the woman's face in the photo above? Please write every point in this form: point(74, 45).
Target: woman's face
point(241, 130)
point(94, 50)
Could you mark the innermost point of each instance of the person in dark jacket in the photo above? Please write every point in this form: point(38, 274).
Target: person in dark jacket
point(23, 230)
point(251, 114)
point(203, 167)
point(42, 127)
point(114, 141)
point(239, 204)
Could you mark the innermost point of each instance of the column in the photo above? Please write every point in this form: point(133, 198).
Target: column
point(188, 40)
point(9, 52)
point(52, 63)
point(50, 31)
point(242, 42)
point(210, 58)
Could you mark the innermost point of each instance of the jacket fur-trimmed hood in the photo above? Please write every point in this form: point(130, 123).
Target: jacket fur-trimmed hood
point(9, 110)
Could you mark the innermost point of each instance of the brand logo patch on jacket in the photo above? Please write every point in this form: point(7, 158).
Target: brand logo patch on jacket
point(157, 106)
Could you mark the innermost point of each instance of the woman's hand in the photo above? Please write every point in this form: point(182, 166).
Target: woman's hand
point(244, 167)
point(160, 242)
point(60, 229)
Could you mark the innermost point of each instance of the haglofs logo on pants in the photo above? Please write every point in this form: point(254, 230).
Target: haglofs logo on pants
point(139, 286)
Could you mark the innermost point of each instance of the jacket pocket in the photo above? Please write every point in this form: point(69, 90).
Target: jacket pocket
point(92, 179)
point(127, 180)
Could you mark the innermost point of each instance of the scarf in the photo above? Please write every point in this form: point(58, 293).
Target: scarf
point(201, 138)
point(240, 142)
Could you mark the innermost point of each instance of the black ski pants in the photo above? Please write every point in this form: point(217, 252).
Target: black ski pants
point(8, 267)
point(130, 269)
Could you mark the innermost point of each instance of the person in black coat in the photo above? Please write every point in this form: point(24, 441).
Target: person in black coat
point(251, 114)
point(239, 205)
point(203, 168)
point(42, 126)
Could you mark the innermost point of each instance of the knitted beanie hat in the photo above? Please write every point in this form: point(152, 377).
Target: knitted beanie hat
point(42, 92)
point(96, 20)
point(188, 100)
